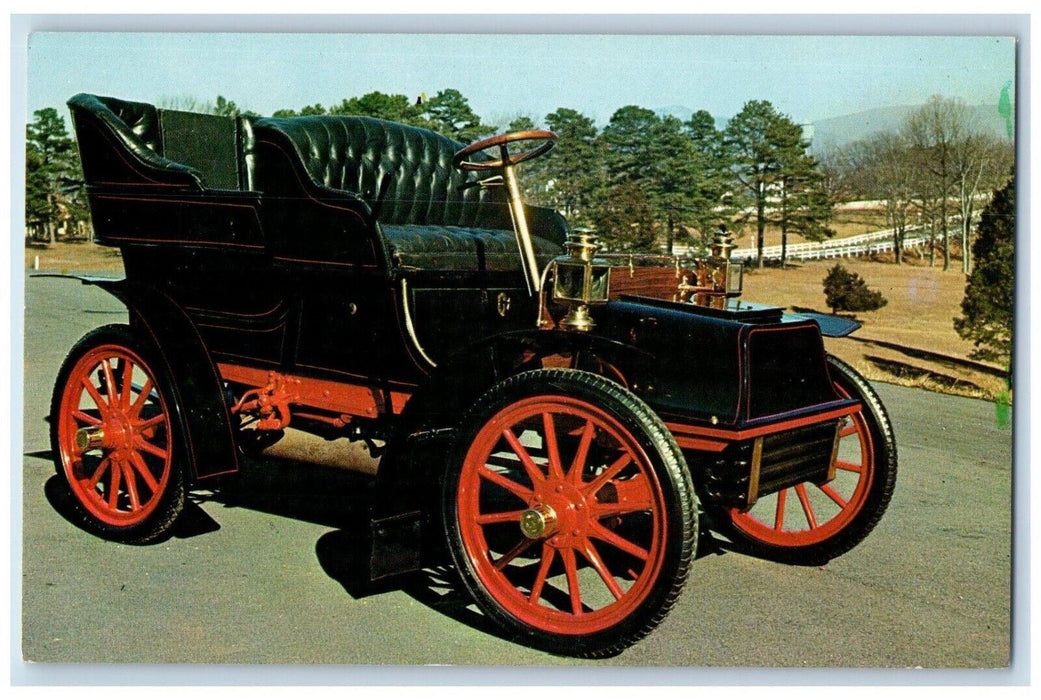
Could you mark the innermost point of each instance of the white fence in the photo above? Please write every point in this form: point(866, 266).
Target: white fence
point(852, 246)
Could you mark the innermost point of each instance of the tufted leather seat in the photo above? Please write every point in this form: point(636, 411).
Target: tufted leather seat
point(406, 175)
point(413, 214)
point(462, 249)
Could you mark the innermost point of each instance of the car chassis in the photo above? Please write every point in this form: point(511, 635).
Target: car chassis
point(557, 421)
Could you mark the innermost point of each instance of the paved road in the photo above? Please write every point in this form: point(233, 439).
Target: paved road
point(259, 573)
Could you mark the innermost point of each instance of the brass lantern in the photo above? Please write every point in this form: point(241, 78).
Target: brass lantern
point(580, 279)
point(726, 275)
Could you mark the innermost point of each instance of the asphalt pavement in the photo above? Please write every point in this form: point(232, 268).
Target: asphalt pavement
point(261, 573)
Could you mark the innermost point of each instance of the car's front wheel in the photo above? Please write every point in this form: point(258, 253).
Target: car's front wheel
point(570, 512)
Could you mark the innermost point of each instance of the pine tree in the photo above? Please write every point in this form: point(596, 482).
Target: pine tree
point(770, 157)
point(987, 309)
point(847, 291)
point(52, 172)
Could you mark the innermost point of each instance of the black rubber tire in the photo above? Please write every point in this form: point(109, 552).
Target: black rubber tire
point(880, 491)
point(172, 498)
point(680, 514)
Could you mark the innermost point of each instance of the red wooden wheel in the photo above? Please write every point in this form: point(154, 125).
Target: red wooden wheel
point(569, 511)
point(114, 436)
point(810, 523)
point(561, 515)
point(807, 513)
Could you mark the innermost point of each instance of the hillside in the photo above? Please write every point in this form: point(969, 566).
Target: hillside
point(840, 131)
point(836, 132)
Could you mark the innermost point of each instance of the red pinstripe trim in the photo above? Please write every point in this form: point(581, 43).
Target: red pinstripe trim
point(270, 312)
point(306, 186)
point(684, 431)
point(137, 239)
point(121, 149)
point(286, 258)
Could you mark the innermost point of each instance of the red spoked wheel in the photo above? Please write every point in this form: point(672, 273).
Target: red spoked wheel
point(574, 518)
point(810, 523)
point(114, 438)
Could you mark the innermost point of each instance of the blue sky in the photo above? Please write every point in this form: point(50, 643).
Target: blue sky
point(807, 77)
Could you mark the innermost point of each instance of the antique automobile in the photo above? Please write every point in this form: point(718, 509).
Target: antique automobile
point(556, 421)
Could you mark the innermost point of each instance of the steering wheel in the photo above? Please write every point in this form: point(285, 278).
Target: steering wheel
point(461, 158)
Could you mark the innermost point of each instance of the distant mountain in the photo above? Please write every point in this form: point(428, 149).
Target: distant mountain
point(840, 131)
point(836, 132)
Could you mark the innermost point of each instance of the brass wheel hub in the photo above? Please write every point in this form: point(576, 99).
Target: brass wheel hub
point(89, 439)
point(538, 521)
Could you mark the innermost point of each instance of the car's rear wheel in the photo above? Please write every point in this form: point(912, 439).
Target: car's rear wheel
point(569, 511)
point(115, 438)
point(812, 524)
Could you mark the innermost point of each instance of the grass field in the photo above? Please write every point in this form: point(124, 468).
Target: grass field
point(910, 341)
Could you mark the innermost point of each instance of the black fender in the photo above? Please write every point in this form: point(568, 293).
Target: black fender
point(831, 326)
point(405, 513)
point(199, 404)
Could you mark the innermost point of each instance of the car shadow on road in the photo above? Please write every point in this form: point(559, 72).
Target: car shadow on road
point(333, 497)
point(192, 522)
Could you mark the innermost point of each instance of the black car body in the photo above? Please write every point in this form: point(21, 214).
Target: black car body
point(558, 419)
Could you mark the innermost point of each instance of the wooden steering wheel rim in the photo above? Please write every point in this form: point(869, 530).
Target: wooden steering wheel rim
point(460, 159)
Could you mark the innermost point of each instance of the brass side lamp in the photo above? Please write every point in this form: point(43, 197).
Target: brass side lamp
point(717, 277)
point(580, 279)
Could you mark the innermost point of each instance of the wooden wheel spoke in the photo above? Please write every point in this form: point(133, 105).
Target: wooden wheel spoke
point(593, 557)
point(602, 533)
point(94, 395)
point(126, 387)
point(507, 516)
point(510, 485)
point(99, 472)
point(142, 397)
point(807, 509)
point(782, 500)
point(151, 422)
point(848, 466)
point(85, 418)
point(540, 577)
point(113, 494)
point(571, 571)
point(556, 470)
point(111, 391)
point(131, 485)
point(574, 474)
point(532, 469)
point(608, 474)
point(633, 495)
point(515, 552)
point(148, 447)
point(834, 495)
point(139, 463)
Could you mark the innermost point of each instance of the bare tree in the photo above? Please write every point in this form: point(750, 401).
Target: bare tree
point(934, 132)
point(981, 164)
point(880, 167)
